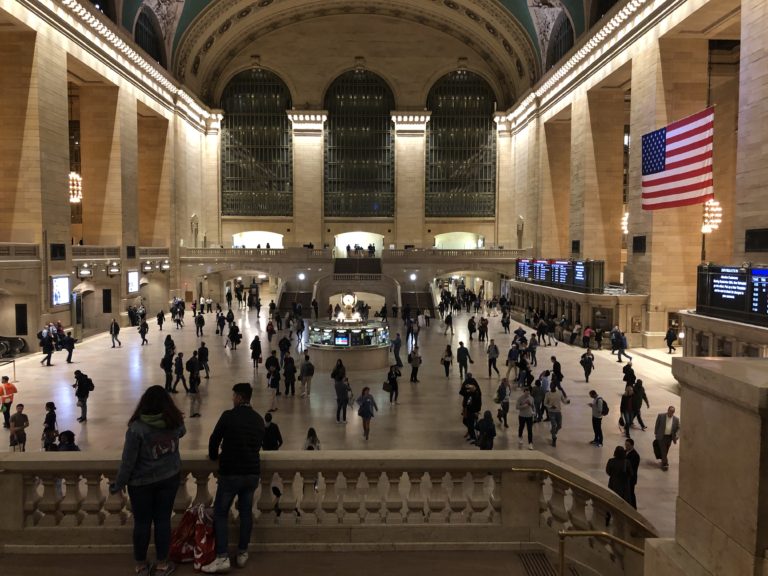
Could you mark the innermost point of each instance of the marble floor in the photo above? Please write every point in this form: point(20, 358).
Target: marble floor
point(427, 416)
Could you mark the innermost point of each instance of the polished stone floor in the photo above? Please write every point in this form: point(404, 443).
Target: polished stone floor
point(427, 417)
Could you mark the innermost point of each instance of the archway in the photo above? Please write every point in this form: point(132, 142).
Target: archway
point(459, 241)
point(358, 238)
point(257, 239)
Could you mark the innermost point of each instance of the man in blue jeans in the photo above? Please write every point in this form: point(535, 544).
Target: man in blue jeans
point(239, 433)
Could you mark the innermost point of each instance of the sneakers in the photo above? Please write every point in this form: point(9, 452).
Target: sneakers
point(520, 441)
point(165, 569)
point(218, 566)
point(530, 446)
point(242, 558)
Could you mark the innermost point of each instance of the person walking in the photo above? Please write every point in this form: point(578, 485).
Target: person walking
point(50, 427)
point(538, 392)
point(619, 473)
point(670, 338)
point(273, 383)
point(448, 324)
point(19, 423)
point(587, 363)
point(395, 346)
point(83, 387)
point(629, 374)
point(342, 399)
point(598, 411)
point(256, 352)
point(622, 347)
point(471, 327)
point(48, 346)
point(394, 387)
point(170, 345)
point(472, 402)
point(462, 357)
point(7, 390)
point(513, 356)
point(634, 462)
point(273, 439)
point(667, 432)
point(414, 359)
point(306, 371)
point(503, 394)
point(447, 360)
point(366, 411)
point(151, 470)
point(235, 442)
point(143, 329)
point(311, 442)
point(533, 347)
point(493, 356)
point(199, 323)
point(289, 374)
point(178, 367)
point(193, 367)
point(627, 410)
point(68, 344)
point(525, 411)
point(553, 401)
point(114, 332)
point(202, 358)
point(638, 397)
point(486, 431)
point(160, 319)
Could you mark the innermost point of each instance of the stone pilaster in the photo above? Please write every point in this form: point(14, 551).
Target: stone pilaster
point(308, 174)
point(410, 178)
point(555, 190)
point(210, 217)
point(154, 181)
point(506, 227)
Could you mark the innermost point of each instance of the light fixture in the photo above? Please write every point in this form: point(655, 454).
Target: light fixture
point(302, 276)
point(262, 276)
point(147, 266)
point(113, 268)
point(713, 216)
point(413, 277)
point(625, 223)
point(75, 188)
point(85, 271)
point(165, 265)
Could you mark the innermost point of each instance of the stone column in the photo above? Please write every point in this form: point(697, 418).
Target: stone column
point(308, 175)
point(154, 180)
point(715, 532)
point(669, 82)
point(210, 221)
point(410, 166)
point(597, 162)
point(506, 219)
point(752, 157)
point(555, 215)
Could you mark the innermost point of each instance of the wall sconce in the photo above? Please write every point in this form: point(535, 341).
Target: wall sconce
point(75, 188)
point(85, 271)
point(113, 268)
point(147, 266)
point(165, 265)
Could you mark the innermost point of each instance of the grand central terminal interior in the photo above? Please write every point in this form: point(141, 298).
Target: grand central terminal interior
point(600, 164)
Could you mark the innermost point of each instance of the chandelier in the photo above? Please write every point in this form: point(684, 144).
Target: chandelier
point(75, 188)
point(713, 216)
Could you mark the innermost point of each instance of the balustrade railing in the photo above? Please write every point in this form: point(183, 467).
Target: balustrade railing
point(95, 252)
point(357, 277)
point(275, 254)
point(10, 251)
point(154, 252)
point(484, 253)
point(415, 497)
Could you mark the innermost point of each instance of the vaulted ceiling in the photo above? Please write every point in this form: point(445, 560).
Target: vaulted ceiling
point(509, 37)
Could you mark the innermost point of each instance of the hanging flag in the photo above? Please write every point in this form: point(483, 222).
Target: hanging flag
point(677, 163)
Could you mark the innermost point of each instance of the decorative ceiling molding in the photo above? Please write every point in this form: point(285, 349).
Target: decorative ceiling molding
point(227, 27)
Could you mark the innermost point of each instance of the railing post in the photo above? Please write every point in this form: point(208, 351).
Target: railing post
point(12, 490)
point(561, 554)
point(520, 496)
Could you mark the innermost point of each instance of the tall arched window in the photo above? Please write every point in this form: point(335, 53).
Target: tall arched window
point(560, 41)
point(147, 35)
point(461, 147)
point(359, 166)
point(256, 149)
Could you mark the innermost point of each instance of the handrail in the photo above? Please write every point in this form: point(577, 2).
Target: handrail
point(563, 534)
point(572, 483)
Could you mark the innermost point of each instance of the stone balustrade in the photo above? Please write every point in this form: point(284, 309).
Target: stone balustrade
point(95, 252)
point(450, 253)
point(263, 254)
point(15, 251)
point(338, 498)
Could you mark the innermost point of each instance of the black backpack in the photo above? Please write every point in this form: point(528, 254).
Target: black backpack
point(604, 411)
point(89, 382)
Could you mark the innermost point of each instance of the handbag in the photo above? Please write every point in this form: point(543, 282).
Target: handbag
point(387, 386)
point(621, 422)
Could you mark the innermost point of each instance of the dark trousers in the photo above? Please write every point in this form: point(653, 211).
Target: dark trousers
point(597, 427)
point(627, 416)
point(503, 411)
point(664, 445)
point(398, 362)
point(470, 420)
point(47, 358)
point(180, 376)
point(168, 379)
point(7, 414)
point(69, 355)
point(290, 385)
point(525, 422)
point(447, 367)
point(462, 369)
point(152, 504)
point(414, 374)
point(341, 409)
point(492, 366)
point(637, 416)
point(229, 487)
point(394, 392)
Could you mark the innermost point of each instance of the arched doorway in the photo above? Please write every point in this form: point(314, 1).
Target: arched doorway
point(358, 238)
point(257, 239)
point(459, 241)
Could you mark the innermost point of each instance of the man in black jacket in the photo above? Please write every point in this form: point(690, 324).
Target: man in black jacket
point(239, 433)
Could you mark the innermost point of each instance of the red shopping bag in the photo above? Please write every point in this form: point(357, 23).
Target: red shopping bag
point(205, 542)
point(183, 538)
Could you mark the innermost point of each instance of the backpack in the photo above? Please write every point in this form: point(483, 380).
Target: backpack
point(91, 387)
point(604, 411)
point(310, 369)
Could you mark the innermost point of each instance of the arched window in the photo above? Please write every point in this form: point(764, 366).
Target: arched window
point(147, 35)
point(461, 147)
point(599, 9)
point(359, 166)
point(106, 7)
point(256, 149)
point(560, 41)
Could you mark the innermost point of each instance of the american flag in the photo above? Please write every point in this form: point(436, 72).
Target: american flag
point(677, 163)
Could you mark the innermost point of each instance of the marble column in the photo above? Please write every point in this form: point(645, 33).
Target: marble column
point(308, 174)
point(410, 166)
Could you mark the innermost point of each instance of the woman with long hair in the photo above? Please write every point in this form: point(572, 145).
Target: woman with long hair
point(151, 469)
point(367, 408)
point(447, 360)
point(256, 352)
point(50, 428)
point(339, 371)
point(312, 442)
point(394, 387)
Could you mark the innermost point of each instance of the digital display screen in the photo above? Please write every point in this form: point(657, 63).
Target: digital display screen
point(579, 273)
point(561, 270)
point(728, 288)
point(759, 302)
point(733, 293)
point(59, 290)
point(133, 281)
point(523, 269)
point(541, 270)
point(341, 340)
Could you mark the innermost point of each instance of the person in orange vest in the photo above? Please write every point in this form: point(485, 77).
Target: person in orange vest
point(7, 390)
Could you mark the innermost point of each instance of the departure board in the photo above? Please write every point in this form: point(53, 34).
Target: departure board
point(579, 274)
point(733, 293)
point(524, 269)
point(561, 272)
point(541, 271)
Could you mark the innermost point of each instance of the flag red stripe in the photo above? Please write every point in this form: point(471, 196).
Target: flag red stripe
point(679, 190)
point(688, 134)
point(691, 160)
point(677, 203)
point(689, 147)
point(698, 116)
point(679, 177)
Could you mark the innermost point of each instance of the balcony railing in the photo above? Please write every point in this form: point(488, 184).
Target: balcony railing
point(453, 254)
point(341, 497)
point(9, 251)
point(262, 254)
point(154, 252)
point(95, 252)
